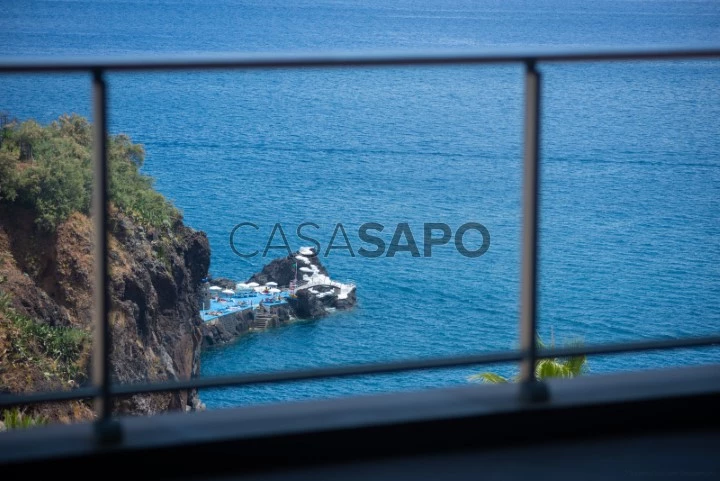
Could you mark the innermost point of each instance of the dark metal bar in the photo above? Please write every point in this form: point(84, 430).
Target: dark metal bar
point(303, 60)
point(358, 370)
point(320, 373)
point(412, 365)
point(630, 347)
point(7, 400)
point(528, 275)
point(101, 342)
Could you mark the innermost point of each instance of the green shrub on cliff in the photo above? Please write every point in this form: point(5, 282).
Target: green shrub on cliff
point(17, 419)
point(31, 350)
point(8, 179)
point(49, 169)
point(55, 188)
point(60, 347)
point(56, 351)
point(131, 191)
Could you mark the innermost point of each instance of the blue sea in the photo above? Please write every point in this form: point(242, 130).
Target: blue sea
point(630, 214)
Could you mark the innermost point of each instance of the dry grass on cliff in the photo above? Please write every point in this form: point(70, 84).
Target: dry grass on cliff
point(36, 357)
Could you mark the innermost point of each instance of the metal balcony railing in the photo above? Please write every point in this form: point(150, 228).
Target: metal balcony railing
point(103, 391)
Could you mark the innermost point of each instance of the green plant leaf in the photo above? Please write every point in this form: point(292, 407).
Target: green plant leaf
point(488, 378)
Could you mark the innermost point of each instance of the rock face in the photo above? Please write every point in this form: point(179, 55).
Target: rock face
point(224, 282)
point(309, 306)
point(283, 270)
point(320, 301)
point(155, 290)
point(227, 328)
point(160, 296)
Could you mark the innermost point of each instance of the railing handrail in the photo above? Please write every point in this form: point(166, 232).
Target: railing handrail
point(342, 59)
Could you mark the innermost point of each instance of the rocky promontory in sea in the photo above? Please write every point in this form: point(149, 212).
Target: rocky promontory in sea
point(315, 295)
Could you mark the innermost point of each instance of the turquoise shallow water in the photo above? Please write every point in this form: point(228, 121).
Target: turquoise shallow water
point(631, 170)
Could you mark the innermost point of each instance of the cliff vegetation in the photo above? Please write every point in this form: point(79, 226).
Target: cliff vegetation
point(156, 267)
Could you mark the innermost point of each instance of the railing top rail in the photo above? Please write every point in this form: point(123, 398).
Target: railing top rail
point(327, 60)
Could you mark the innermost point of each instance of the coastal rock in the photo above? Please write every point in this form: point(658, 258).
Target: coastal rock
point(224, 329)
point(159, 295)
point(285, 269)
point(155, 284)
point(315, 297)
point(308, 306)
point(316, 293)
point(347, 302)
point(223, 282)
point(227, 328)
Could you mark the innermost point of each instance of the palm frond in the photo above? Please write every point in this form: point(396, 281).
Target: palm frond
point(544, 368)
point(576, 364)
point(488, 378)
point(550, 368)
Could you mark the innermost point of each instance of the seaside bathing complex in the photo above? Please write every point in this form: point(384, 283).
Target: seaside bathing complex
point(219, 301)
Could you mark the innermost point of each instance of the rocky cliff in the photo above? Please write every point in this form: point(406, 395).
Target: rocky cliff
point(156, 266)
point(46, 284)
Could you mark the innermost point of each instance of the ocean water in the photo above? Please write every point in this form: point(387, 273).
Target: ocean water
point(630, 215)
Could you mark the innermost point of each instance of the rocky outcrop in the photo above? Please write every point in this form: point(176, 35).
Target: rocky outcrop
point(155, 289)
point(284, 270)
point(308, 306)
point(228, 328)
point(347, 302)
point(316, 293)
point(159, 296)
point(224, 282)
point(320, 301)
point(316, 296)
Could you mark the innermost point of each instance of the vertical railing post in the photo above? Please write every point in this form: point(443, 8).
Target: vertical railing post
point(106, 429)
point(530, 388)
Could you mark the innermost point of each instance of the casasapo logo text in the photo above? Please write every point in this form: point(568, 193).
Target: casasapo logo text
point(370, 240)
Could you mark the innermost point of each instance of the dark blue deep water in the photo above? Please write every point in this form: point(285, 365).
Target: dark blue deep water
point(631, 167)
